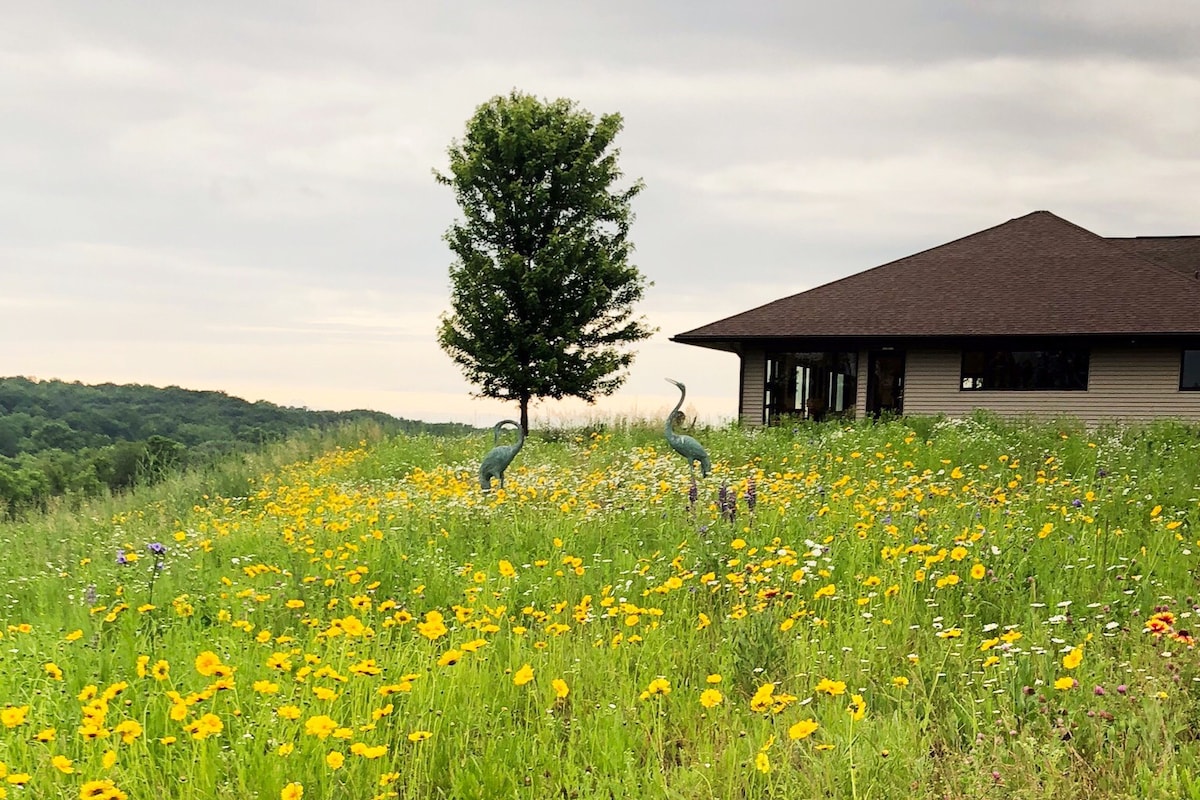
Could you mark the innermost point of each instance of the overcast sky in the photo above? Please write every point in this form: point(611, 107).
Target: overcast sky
point(239, 196)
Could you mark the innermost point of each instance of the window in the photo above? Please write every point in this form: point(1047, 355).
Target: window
point(1189, 372)
point(1024, 370)
point(811, 385)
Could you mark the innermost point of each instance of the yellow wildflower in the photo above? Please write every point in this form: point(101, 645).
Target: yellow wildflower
point(857, 708)
point(803, 729)
point(1072, 659)
point(524, 675)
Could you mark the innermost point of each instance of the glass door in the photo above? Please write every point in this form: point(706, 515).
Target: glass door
point(885, 382)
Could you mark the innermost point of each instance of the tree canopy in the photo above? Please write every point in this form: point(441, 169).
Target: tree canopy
point(60, 438)
point(542, 290)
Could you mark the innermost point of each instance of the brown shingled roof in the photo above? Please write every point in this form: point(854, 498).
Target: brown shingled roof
point(1036, 275)
point(1180, 253)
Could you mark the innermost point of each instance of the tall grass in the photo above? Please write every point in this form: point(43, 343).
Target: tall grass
point(930, 608)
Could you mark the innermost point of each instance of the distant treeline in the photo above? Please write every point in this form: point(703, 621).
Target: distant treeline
point(59, 438)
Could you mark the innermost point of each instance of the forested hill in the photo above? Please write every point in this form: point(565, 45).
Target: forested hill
point(58, 437)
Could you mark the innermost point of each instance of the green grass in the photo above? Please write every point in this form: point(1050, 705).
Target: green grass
point(943, 571)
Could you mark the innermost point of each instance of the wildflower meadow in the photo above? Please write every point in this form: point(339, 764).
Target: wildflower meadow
point(912, 608)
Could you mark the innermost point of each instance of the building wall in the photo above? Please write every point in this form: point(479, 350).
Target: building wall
point(754, 387)
point(1123, 384)
point(860, 405)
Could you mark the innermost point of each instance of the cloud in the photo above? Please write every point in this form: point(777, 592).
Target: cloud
point(232, 196)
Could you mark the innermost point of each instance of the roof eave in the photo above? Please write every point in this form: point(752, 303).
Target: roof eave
point(737, 344)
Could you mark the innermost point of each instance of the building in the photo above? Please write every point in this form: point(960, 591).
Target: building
point(1036, 316)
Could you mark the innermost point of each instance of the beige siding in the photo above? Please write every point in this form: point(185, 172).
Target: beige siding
point(754, 387)
point(1123, 384)
point(860, 405)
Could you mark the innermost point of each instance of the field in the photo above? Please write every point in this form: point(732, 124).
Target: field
point(916, 608)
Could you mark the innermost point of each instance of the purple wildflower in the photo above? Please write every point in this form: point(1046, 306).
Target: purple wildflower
point(727, 503)
point(121, 557)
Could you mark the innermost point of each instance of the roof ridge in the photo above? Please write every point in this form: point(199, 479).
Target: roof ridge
point(869, 270)
point(912, 255)
point(930, 249)
point(1127, 254)
point(1034, 274)
point(1107, 243)
point(1169, 236)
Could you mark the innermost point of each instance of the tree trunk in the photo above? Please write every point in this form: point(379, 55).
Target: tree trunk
point(525, 414)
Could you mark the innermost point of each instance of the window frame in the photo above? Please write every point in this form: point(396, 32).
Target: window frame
point(793, 377)
point(1183, 365)
point(986, 354)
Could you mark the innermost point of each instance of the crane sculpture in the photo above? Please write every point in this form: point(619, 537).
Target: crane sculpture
point(500, 456)
point(685, 445)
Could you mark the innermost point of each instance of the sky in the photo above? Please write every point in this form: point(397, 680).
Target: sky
point(239, 196)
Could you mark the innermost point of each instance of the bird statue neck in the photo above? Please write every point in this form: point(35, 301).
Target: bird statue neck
point(520, 432)
point(671, 417)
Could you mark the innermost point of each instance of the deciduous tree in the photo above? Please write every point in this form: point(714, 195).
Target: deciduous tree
point(542, 289)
